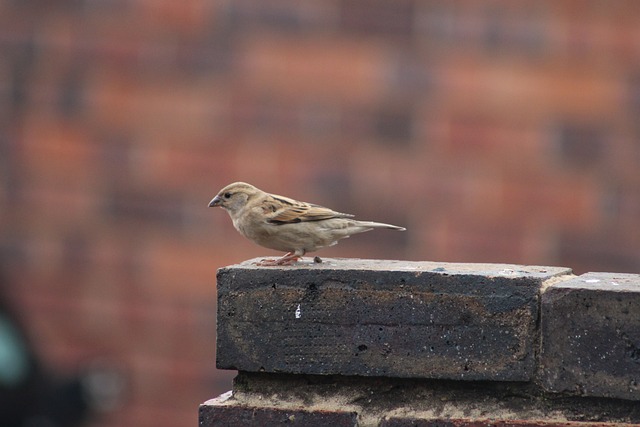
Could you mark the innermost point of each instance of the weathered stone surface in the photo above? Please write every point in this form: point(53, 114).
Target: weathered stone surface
point(223, 412)
point(417, 422)
point(378, 401)
point(381, 318)
point(591, 336)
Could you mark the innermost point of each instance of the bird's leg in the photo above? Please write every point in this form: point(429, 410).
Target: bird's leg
point(288, 259)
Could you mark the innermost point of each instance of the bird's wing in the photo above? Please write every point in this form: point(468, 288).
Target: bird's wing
point(283, 210)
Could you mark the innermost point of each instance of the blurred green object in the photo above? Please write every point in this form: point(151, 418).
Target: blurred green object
point(14, 363)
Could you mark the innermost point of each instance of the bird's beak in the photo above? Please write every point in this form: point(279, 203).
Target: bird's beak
point(215, 202)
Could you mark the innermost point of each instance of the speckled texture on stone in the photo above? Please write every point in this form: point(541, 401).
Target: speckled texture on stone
point(382, 318)
point(396, 402)
point(221, 412)
point(591, 336)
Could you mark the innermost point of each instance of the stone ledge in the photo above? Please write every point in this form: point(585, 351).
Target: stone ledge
point(377, 402)
point(591, 336)
point(382, 318)
point(394, 343)
point(224, 411)
point(416, 422)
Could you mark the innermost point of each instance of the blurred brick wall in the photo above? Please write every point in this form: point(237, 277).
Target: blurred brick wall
point(501, 131)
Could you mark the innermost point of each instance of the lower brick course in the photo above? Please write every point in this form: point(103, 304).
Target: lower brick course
point(219, 412)
point(414, 422)
point(376, 402)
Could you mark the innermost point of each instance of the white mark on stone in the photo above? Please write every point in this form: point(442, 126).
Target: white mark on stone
point(615, 283)
point(591, 281)
point(298, 312)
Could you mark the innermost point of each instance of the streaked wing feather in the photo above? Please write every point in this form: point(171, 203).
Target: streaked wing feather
point(292, 211)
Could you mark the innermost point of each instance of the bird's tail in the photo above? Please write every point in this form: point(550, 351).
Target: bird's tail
point(371, 224)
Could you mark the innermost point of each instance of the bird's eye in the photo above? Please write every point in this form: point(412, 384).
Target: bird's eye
point(227, 195)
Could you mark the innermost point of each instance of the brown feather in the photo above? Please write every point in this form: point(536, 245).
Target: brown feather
point(292, 211)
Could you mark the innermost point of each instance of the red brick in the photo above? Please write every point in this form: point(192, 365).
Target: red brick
point(168, 17)
point(287, 65)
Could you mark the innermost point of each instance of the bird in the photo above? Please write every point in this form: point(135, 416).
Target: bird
point(287, 225)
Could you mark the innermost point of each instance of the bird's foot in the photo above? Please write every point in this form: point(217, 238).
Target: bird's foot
point(288, 259)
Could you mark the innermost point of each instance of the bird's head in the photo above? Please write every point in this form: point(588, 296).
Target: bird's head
point(234, 197)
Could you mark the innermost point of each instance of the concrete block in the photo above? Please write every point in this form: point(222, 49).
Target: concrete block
point(381, 318)
point(396, 402)
point(591, 336)
point(421, 422)
point(224, 412)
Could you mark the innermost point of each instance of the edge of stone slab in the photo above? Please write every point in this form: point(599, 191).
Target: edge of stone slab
point(451, 268)
point(597, 281)
point(375, 399)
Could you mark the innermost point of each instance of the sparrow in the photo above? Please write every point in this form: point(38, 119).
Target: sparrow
point(280, 223)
